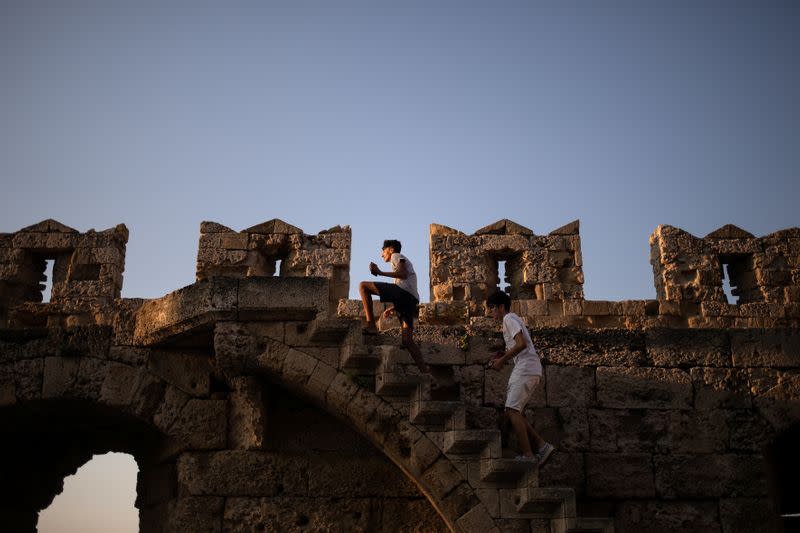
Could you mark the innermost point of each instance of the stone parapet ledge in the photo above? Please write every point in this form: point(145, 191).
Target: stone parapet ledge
point(199, 306)
point(598, 314)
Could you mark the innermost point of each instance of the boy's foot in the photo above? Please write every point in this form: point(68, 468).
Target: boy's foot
point(525, 458)
point(544, 453)
point(370, 329)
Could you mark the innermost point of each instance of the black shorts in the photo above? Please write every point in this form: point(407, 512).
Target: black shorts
point(405, 305)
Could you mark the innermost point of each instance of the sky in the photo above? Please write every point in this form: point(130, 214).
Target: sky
point(389, 116)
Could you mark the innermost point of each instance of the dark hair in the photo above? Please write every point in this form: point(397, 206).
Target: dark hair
point(393, 243)
point(499, 298)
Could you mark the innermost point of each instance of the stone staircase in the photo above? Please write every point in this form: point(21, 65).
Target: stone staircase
point(509, 488)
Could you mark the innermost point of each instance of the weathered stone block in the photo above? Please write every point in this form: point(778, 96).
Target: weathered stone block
point(697, 432)
point(678, 348)
point(362, 407)
point(119, 384)
point(202, 425)
point(663, 516)
point(190, 372)
point(320, 380)
point(757, 348)
point(628, 430)
point(213, 227)
point(340, 392)
point(169, 409)
point(573, 307)
point(720, 388)
point(243, 473)
point(412, 516)
point(91, 374)
point(195, 514)
point(569, 347)
point(570, 386)
point(653, 388)
point(424, 452)
point(619, 475)
point(633, 307)
point(774, 384)
point(459, 501)
point(349, 476)
point(748, 430)
point(569, 427)
point(298, 515)
point(746, 515)
point(442, 477)
point(60, 374)
point(564, 469)
point(298, 367)
point(495, 385)
point(247, 415)
point(476, 519)
point(595, 307)
point(288, 298)
point(709, 476)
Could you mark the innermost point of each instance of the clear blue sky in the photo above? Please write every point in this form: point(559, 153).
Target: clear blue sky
point(388, 116)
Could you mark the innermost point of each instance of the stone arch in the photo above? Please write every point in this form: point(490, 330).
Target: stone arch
point(57, 411)
point(783, 467)
point(305, 373)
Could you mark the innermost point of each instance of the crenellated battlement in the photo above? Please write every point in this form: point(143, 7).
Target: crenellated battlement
point(86, 275)
point(241, 393)
point(542, 273)
point(276, 248)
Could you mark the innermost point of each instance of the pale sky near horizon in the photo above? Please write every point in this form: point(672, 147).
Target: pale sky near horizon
point(389, 116)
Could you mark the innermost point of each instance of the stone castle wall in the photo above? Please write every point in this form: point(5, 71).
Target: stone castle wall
point(248, 404)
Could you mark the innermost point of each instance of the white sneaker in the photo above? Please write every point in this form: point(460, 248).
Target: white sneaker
point(544, 453)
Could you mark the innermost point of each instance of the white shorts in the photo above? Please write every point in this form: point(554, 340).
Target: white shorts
point(520, 389)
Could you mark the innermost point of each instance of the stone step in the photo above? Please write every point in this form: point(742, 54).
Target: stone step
point(398, 384)
point(506, 471)
point(485, 442)
point(582, 525)
point(437, 414)
point(546, 502)
point(359, 357)
point(332, 330)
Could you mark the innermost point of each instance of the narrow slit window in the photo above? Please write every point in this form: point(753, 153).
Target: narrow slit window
point(48, 281)
point(501, 274)
point(727, 287)
point(277, 268)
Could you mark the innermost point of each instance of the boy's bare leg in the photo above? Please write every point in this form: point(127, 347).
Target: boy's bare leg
point(518, 423)
point(366, 289)
point(534, 438)
point(413, 349)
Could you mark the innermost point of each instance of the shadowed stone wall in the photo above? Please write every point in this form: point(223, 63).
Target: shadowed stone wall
point(249, 407)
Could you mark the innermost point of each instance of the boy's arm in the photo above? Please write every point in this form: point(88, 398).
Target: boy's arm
point(401, 272)
point(519, 345)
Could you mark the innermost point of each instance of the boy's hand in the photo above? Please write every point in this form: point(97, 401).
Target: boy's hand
point(374, 270)
point(494, 363)
point(388, 313)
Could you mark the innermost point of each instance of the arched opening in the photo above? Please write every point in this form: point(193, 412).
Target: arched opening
point(44, 443)
point(783, 469)
point(99, 497)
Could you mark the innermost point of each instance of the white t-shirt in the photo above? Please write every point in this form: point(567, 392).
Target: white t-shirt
point(526, 362)
point(410, 283)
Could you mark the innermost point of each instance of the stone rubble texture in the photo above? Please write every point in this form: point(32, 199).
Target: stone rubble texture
point(251, 401)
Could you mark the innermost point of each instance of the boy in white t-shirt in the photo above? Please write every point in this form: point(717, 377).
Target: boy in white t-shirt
point(402, 293)
point(526, 375)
